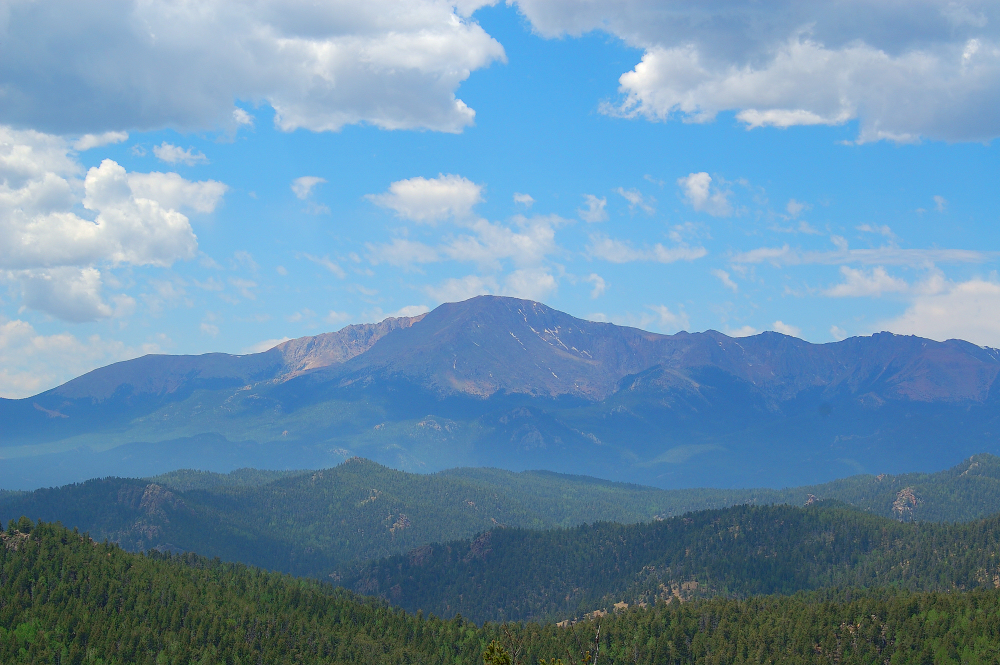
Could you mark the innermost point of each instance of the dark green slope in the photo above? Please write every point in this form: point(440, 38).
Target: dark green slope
point(312, 523)
point(969, 490)
point(516, 574)
point(66, 599)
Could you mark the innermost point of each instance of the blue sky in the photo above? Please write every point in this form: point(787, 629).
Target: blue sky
point(221, 176)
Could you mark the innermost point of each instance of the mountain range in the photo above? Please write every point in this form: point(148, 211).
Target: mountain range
point(510, 383)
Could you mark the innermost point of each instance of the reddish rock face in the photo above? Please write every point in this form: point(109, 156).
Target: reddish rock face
point(492, 344)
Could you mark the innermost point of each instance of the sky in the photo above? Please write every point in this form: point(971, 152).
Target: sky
point(187, 177)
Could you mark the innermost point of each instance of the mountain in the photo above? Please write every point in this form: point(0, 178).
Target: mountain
point(316, 522)
point(514, 384)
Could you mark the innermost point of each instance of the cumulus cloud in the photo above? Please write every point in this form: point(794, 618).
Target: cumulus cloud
point(940, 203)
point(599, 285)
point(620, 251)
point(523, 199)
point(31, 362)
point(963, 310)
point(530, 283)
point(742, 331)
point(431, 200)
point(395, 64)
point(411, 311)
point(89, 141)
point(701, 195)
point(670, 321)
point(462, 288)
point(72, 294)
point(58, 230)
point(726, 280)
point(265, 345)
point(302, 187)
point(527, 243)
point(793, 207)
point(173, 191)
point(172, 154)
point(637, 200)
point(595, 210)
point(902, 70)
point(858, 283)
point(402, 252)
point(786, 329)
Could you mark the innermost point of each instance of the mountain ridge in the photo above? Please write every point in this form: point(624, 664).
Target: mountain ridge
point(496, 381)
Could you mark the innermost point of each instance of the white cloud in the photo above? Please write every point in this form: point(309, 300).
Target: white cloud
point(530, 283)
point(940, 203)
point(595, 210)
point(39, 229)
point(431, 200)
point(880, 230)
point(71, 294)
point(244, 286)
point(599, 285)
point(244, 259)
point(462, 288)
point(902, 70)
point(964, 310)
point(701, 195)
point(794, 207)
point(172, 154)
point(402, 252)
point(172, 191)
point(335, 318)
point(619, 251)
point(523, 199)
point(742, 331)
point(726, 280)
point(785, 255)
point(31, 362)
point(264, 345)
point(130, 219)
point(328, 264)
point(669, 321)
point(838, 333)
point(242, 118)
point(302, 187)
point(410, 311)
point(786, 329)
point(857, 283)
point(532, 239)
point(395, 64)
point(637, 200)
point(88, 141)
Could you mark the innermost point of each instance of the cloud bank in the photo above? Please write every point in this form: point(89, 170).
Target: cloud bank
point(903, 70)
point(69, 67)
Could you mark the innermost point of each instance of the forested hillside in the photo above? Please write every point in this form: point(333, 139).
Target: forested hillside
point(311, 523)
point(67, 599)
point(517, 574)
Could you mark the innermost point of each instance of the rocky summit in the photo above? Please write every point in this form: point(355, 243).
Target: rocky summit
point(515, 384)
